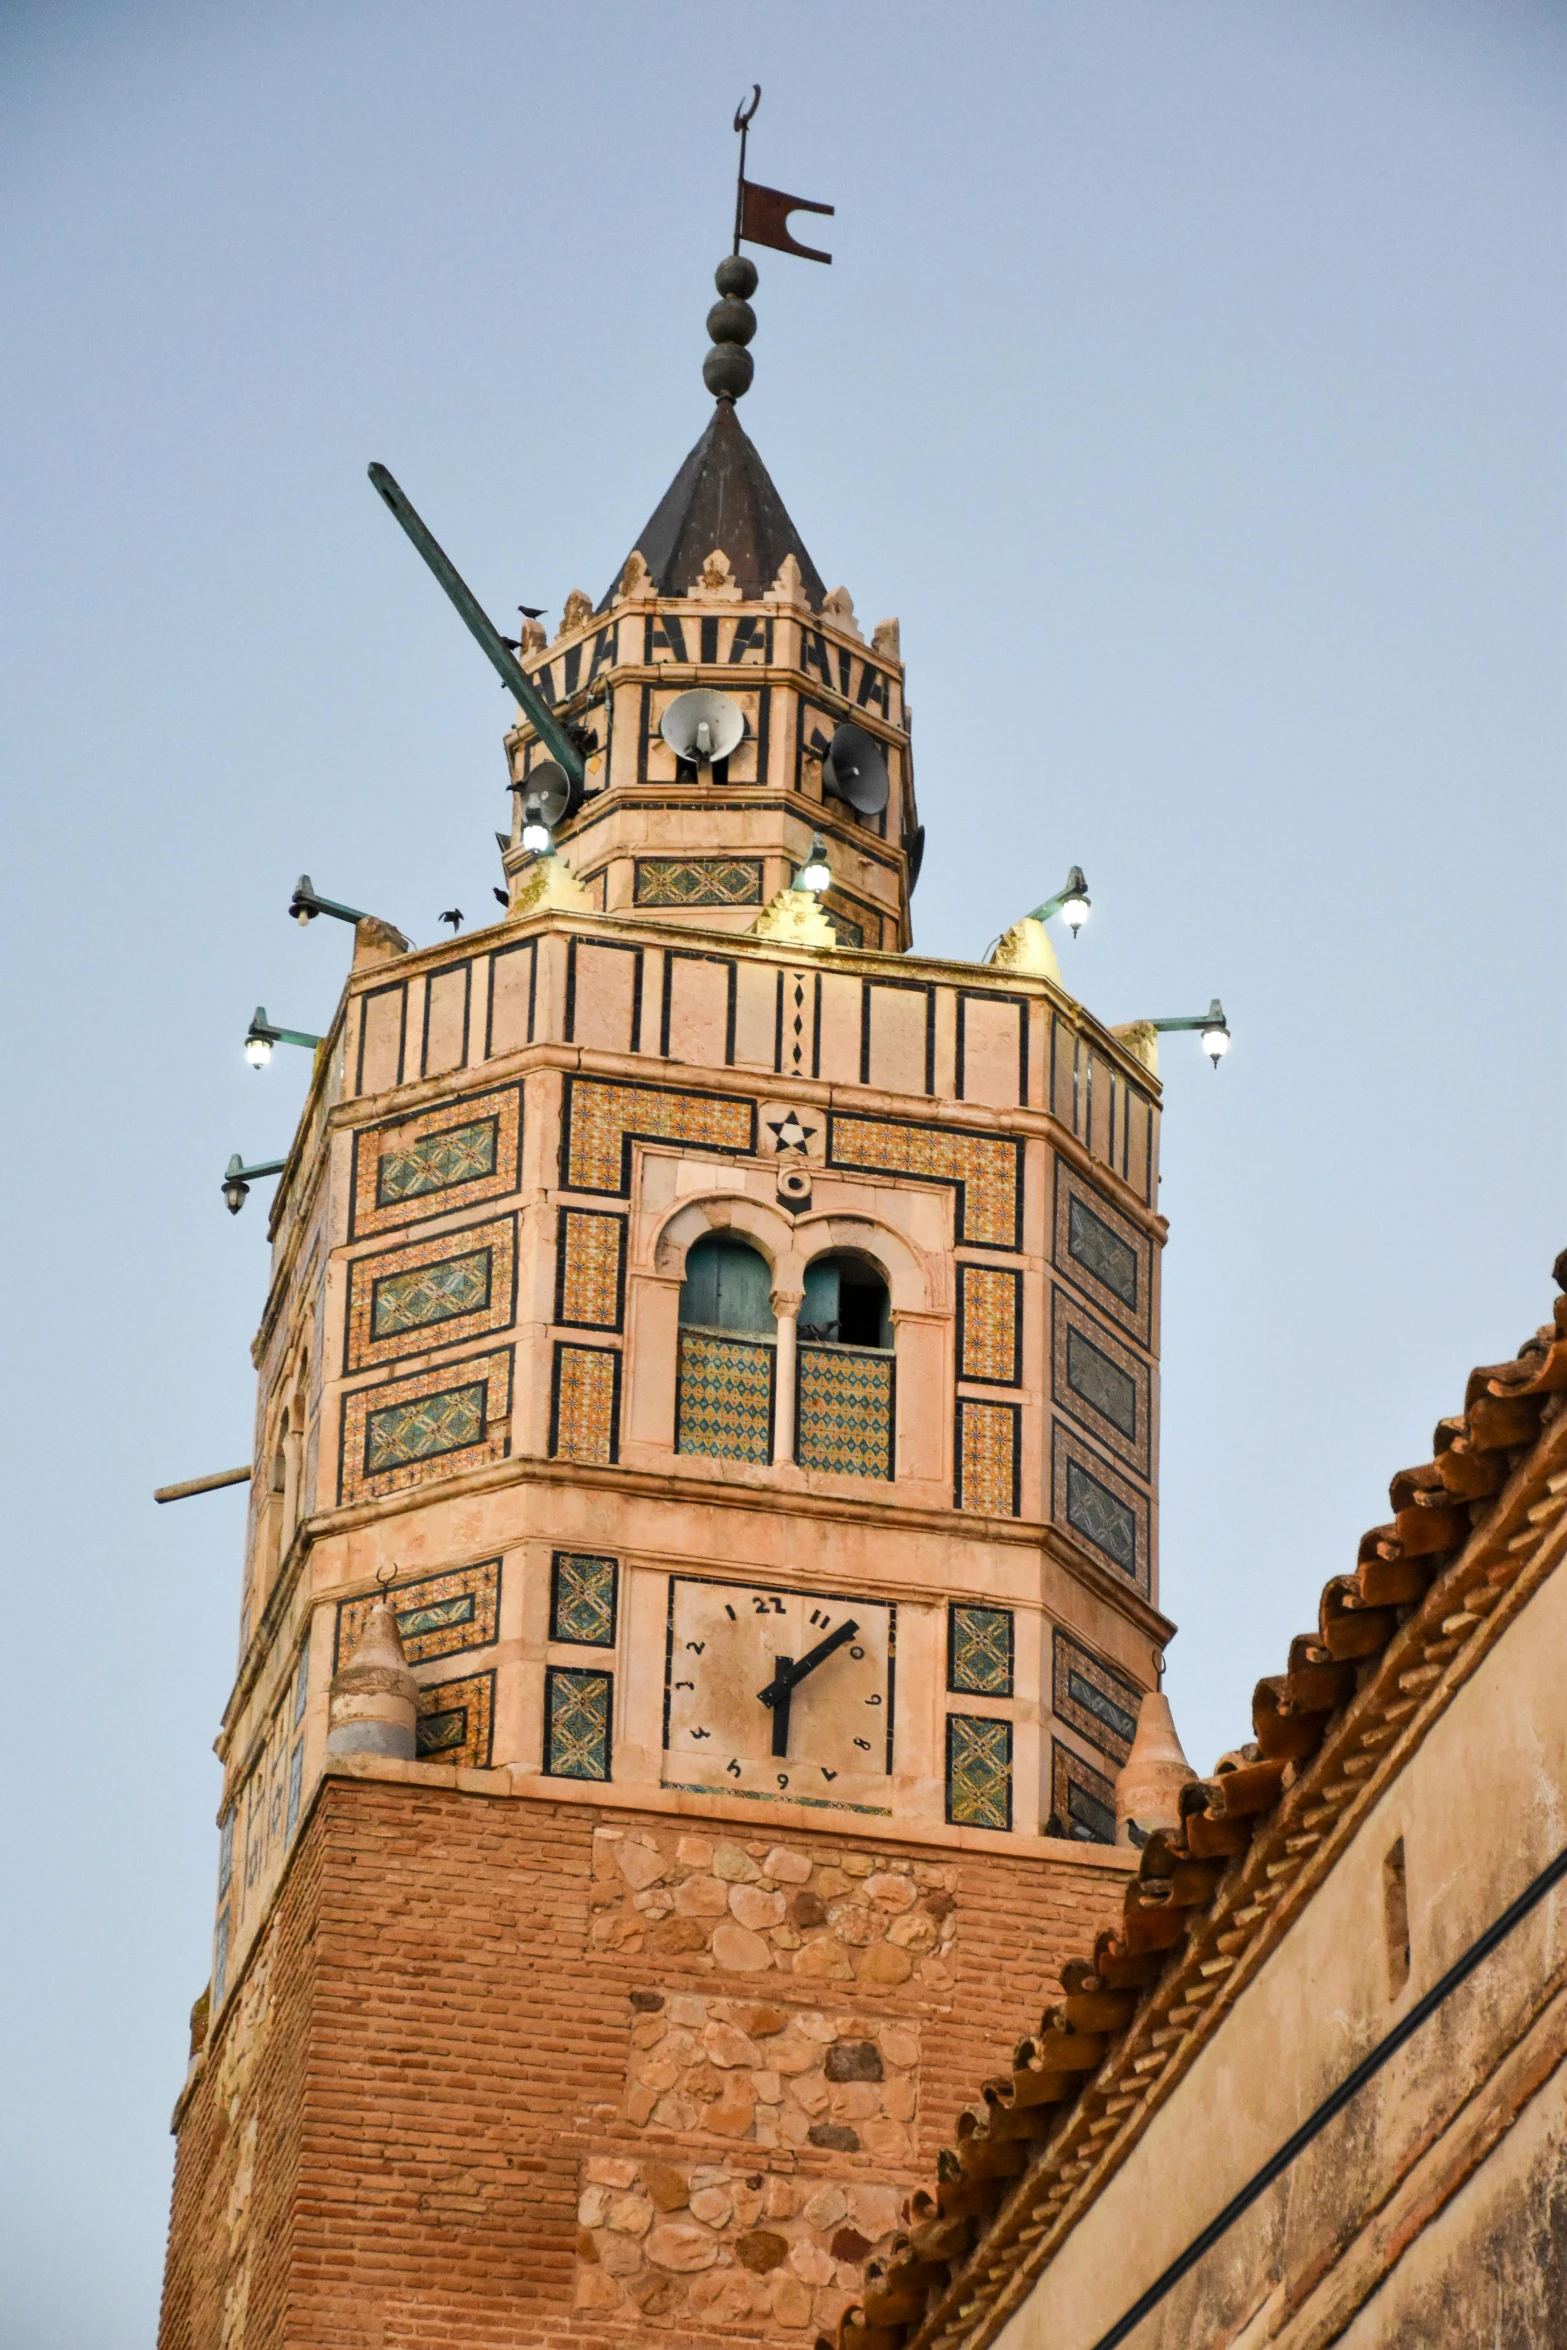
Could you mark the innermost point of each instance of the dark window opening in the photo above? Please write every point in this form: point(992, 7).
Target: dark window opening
point(845, 1304)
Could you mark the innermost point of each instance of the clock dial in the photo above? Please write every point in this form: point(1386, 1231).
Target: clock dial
point(776, 1692)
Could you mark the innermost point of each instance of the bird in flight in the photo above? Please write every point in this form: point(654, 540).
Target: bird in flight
point(453, 915)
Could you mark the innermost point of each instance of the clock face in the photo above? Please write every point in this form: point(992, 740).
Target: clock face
point(780, 1693)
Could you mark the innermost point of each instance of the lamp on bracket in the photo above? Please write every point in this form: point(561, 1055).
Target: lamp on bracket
point(263, 1034)
point(238, 1178)
point(815, 874)
point(1071, 901)
point(307, 902)
point(1211, 1026)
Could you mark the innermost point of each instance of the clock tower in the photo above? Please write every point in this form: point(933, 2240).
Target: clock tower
point(701, 1575)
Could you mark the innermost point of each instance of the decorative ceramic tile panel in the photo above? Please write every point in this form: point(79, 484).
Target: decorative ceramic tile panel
point(844, 1411)
point(724, 1398)
point(851, 933)
point(1082, 1800)
point(578, 1713)
point(1104, 1384)
point(990, 1324)
point(296, 1775)
point(698, 881)
point(583, 1598)
point(1103, 1254)
point(601, 1122)
point(456, 1722)
point(987, 1449)
point(979, 1651)
point(436, 1162)
point(1098, 1702)
point(1106, 1512)
point(430, 1293)
point(437, 1615)
point(226, 1854)
point(986, 1171)
point(590, 1269)
point(220, 1961)
point(433, 1425)
point(585, 1405)
point(979, 1772)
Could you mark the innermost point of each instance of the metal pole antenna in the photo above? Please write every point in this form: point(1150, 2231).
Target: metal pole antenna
point(743, 114)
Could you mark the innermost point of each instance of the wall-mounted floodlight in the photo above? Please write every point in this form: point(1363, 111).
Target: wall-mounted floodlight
point(262, 1035)
point(1211, 1026)
point(815, 874)
point(306, 904)
point(1071, 901)
point(238, 1178)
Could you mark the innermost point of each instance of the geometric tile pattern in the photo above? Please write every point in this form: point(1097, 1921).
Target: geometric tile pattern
point(845, 1411)
point(989, 1324)
point(1102, 1253)
point(1089, 1496)
point(434, 1424)
point(979, 1772)
point(457, 1287)
point(437, 1615)
point(1082, 1800)
point(582, 1600)
point(436, 1162)
point(724, 1398)
point(577, 1712)
point(1099, 1703)
point(1091, 1241)
point(589, 1257)
point(1091, 1375)
point(1097, 1513)
point(985, 1170)
point(988, 1458)
point(585, 1410)
point(698, 881)
point(296, 1774)
point(456, 1722)
point(601, 1120)
point(979, 1651)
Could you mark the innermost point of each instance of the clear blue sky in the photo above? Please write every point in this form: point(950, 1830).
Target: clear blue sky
point(1188, 378)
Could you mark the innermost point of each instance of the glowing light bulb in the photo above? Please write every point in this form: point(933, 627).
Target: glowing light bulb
point(815, 874)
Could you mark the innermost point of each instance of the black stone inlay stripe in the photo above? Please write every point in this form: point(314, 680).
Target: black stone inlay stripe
point(1092, 1375)
point(1105, 1254)
point(1100, 1517)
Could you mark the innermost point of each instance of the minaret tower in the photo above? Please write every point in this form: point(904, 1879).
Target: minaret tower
point(701, 1572)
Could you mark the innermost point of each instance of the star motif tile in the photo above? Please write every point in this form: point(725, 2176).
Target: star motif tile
point(792, 1136)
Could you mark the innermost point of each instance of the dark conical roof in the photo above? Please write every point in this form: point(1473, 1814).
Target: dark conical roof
point(722, 496)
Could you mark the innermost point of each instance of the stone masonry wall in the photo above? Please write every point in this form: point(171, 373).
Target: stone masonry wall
point(535, 2074)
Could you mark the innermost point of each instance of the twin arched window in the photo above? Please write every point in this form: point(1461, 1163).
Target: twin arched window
point(727, 1388)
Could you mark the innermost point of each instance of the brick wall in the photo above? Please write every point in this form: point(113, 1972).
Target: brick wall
point(491, 2077)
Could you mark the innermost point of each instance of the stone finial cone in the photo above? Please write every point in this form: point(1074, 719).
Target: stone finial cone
point(1148, 1790)
point(375, 1698)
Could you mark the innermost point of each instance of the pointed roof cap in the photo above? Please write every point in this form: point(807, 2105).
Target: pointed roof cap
point(722, 497)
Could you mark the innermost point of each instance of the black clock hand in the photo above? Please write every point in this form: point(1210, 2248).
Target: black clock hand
point(787, 1677)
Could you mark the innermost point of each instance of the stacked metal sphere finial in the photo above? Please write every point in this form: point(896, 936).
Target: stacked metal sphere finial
point(728, 367)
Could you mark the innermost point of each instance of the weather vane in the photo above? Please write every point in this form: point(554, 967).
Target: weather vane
point(761, 218)
point(762, 214)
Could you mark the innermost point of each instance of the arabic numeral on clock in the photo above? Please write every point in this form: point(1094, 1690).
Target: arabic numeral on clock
point(733, 1768)
point(863, 1744)
point(783, 1778)
point(873, 1701)
point(857, 1654)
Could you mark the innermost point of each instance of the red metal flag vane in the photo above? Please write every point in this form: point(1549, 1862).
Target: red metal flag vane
point(762, 214)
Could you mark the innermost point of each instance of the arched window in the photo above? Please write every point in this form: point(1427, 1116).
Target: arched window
point(845, 1377)
point(724, 1392)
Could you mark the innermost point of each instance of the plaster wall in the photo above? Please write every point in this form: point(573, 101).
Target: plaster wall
point(1480, 1808)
